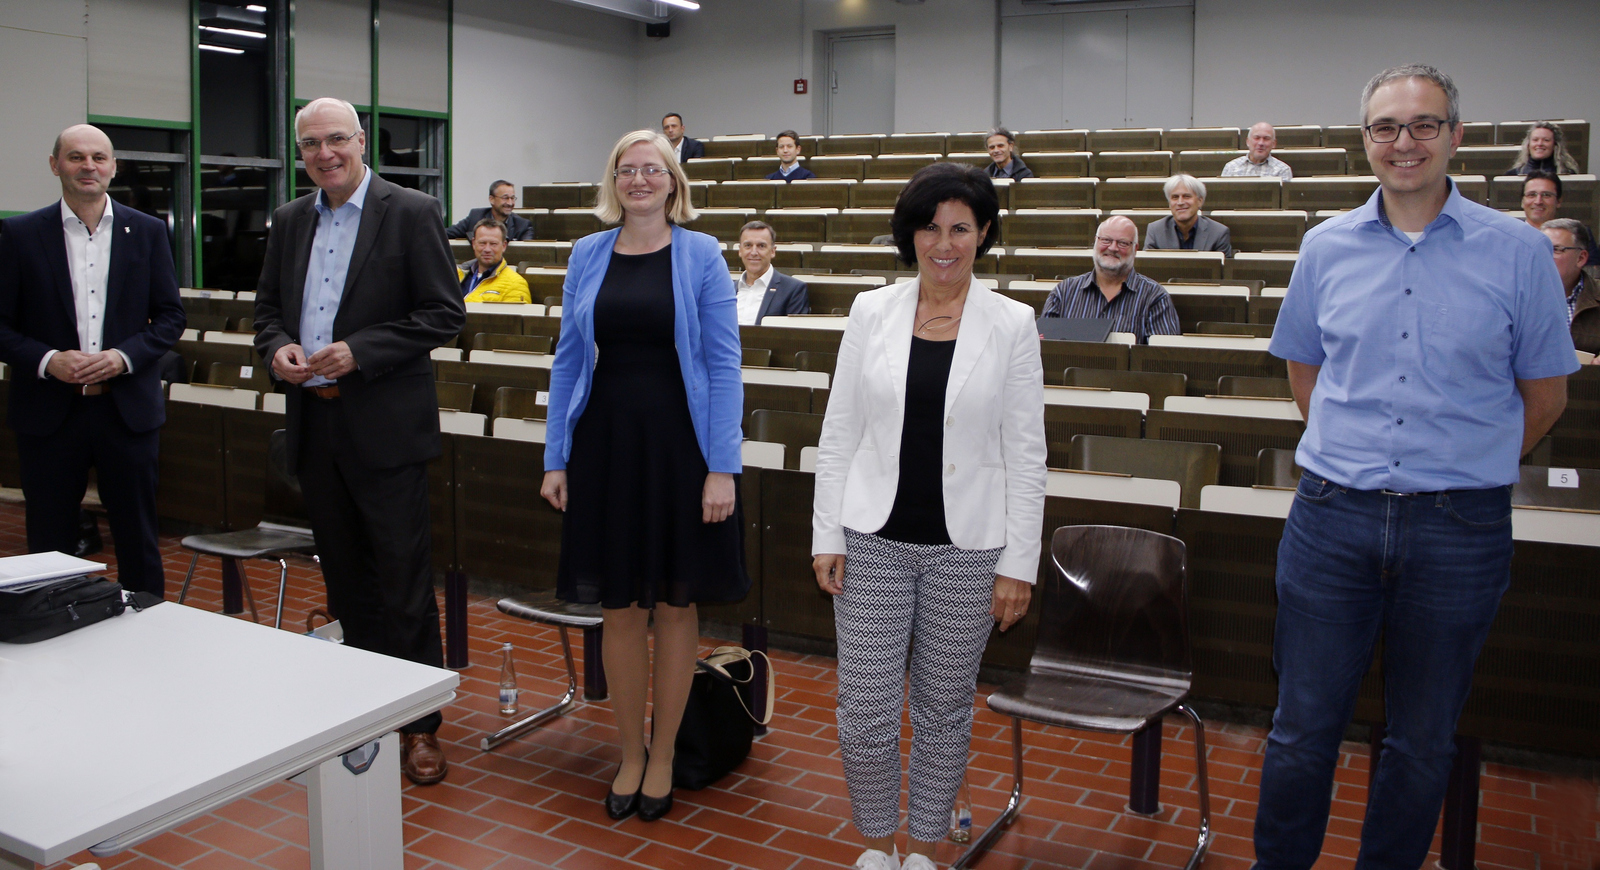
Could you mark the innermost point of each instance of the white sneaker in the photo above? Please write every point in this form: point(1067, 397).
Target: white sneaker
point(917, 862)
point(872, 859)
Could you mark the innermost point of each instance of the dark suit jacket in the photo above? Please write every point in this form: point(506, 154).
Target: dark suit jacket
point(144, 315)
point(518, 228)
point(400, 302)
point(1162, 235)
point(785, 295)
point(693, 148)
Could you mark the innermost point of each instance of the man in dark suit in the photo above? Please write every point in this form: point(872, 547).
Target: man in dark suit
point(88, 305)
point(763, 291)
point(1186, 229)
point(789, 168)
point(686, 148)
point(502, 199)
point(355, 291)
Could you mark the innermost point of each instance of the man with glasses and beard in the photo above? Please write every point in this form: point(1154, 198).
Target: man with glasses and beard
point(1114, 290)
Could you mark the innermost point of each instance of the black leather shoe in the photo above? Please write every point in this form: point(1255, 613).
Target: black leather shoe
point(621, 806)
point(652, 808)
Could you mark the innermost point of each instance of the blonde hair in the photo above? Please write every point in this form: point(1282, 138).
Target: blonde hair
point(1563, 161)
point(608, 206)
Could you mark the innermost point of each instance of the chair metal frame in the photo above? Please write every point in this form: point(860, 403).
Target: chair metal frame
point(551, 612)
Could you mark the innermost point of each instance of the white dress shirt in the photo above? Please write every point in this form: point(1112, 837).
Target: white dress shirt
point(89, 263)
point(751, 296)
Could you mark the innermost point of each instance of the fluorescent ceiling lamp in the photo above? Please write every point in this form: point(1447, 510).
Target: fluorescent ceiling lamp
point(682, 4)
point(233, 32)
point(254, 8)
point(222, 48)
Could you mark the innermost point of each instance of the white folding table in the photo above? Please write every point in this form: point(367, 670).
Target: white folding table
point(123, 730)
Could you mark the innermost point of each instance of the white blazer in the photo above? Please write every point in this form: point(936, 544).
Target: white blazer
point(994, 447)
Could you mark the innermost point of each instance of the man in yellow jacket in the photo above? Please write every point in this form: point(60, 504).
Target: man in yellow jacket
point(486, 277)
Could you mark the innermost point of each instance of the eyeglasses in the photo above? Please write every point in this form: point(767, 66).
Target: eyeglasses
point(1562, 249)
point(1421, 131)
point(1539, 194)
point(312, 146)
point(651, 171)
point(1114, 243)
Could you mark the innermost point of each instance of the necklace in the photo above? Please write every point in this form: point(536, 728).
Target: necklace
point(924, 327)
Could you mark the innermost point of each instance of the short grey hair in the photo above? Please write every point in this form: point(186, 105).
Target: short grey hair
point(1130, 220)
point(1580, 233)
point(1414, 71)
point(1195, 185)
point(319, 102)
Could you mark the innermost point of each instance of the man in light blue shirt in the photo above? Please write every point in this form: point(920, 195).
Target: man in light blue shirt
point(327, 269)
point(1427, 348)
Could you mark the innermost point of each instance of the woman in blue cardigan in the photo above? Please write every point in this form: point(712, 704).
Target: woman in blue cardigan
point(642, 449)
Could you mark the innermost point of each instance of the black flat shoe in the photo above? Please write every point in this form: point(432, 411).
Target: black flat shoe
point(621, 806)
point(652, 808)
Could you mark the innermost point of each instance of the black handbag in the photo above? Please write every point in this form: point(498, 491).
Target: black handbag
point(38, 612)
point(717, 723)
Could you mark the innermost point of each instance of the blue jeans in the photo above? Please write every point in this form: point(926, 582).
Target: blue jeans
point(1430, 570)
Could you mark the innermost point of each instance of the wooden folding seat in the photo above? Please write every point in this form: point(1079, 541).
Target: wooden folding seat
point(874, 193)
point(858, 226)
point(1576, 433)
point(519, 343)
point(1208, 302)
point(1484, 160)
point(1063, 422)
point(517, 358)
point(1219, 327)
point(834, 293)
point(865, 144)
point(506, 533)
point(206, 322)
point(1228, 341)
point(1264, 309)
point(1131, 164)
point(1346, 136)
point(461, 249)
point(1155, 385)
point(1095, 397)
point(800, 224)
point(1050, 227)
point(567, 224)
point(1058, 356)
point(1180, 265)
point(852, 167)
point(1255, 194)
point(1046, 264)
point(1480, 133)
point(786, 342)
point(900, 165)
point(756, 168)
point(1312, 162)
point(1059, 164)
point(1033, 297)
point(912, 143)
point(1255, 407)
point(1125, 139)
point(724, 223)
point(846, 258)
point(1240, 385)
point(815, 193)
point(247, 377)
point(1241, 438)
point(1131, 193)
point(214, 394)
point(977, 141)
point(1232, 603)
point(202, 354)
point(1475, 187)
point(1274, 269)
point(1289, 136)
point(565, 194)
point(1055, 193)
point(760, 195)
point(520, 403)
point(1206, 163)
point(816, 361)
point(1035, 141)
point(489, 377)
point(1204, 365)
point(775, 397)
point(547, 253)
point(737, 146)
point(710, 168)
point(1316, 194)
point(191, 486)
point(1192, 465)
point(1142, 218)
point(1200, 139)
point(1279, 230)
point(980, 159)
point(502, 324)
point(792, 429)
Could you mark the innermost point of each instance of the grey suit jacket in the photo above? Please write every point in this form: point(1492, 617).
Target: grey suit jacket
point(1209, 235)
point(400, 302)
point(785, 295)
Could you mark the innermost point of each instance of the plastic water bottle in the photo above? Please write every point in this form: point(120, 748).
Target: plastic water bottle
point(508, 682)
point(961, 815)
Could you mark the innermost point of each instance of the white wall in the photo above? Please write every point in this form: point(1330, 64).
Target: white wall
point(1305, 61)
point(140, 64)
point(731, 66)
point(541, 92)
point(44, 64)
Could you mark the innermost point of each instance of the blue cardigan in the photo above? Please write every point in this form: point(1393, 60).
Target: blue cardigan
point(705, 331)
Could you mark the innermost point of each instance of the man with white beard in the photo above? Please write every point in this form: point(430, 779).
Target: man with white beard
point(1133, 302)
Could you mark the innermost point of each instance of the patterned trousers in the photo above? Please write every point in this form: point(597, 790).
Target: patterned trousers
point(935, 599)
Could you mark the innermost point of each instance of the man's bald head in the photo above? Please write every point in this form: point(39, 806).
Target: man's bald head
point(1261, 141)
point(84, 135)
point(331, 108)
point(85, 162)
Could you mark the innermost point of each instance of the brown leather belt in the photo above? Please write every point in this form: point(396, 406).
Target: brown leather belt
point(90, 389)
point(324, 392)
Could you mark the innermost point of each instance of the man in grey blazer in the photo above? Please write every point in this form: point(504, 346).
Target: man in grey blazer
point(356, 289)
point(763, 291)
point(1186, 229)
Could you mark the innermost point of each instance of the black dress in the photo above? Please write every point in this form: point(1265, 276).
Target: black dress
point(632, 532)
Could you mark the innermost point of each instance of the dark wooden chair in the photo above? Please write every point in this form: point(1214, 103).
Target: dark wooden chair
point(1275, 466)
point(756, 356)
point(794, 430)
point(1112, 653)
point(453, 396)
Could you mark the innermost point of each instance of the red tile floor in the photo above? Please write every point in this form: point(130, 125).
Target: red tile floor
point(536, 802)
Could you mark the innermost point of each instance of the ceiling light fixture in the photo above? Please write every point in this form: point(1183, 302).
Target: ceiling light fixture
point(233, 32)
point(254, 8)
point(222, 48)
point(682, 4)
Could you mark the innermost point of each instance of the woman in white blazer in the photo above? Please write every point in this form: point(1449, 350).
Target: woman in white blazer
point(929, 505)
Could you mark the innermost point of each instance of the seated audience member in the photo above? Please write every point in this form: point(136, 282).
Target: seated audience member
point(1002, 148)
point(486, 277)
point(762, 290)
point(789, 168)
point(502, 199)
point(1572, 242)
point(1113, 289)
point(1259, 160)
point(683, 147)
point(1541, 197)
point(1543, 148)
point(1186, 229)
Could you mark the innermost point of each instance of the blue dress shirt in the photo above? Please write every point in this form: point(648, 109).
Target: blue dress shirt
point(331, 248)
point(1421, 344)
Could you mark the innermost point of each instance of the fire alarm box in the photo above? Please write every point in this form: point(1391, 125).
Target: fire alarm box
point(800, 86)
